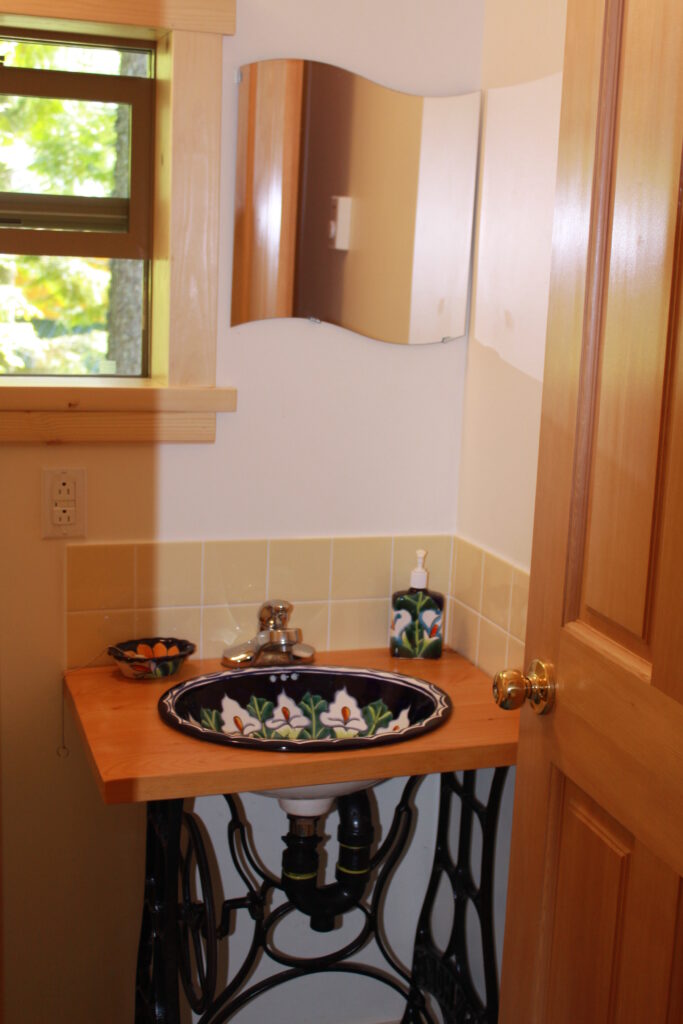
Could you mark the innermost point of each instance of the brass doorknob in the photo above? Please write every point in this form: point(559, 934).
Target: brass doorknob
point(511, 687)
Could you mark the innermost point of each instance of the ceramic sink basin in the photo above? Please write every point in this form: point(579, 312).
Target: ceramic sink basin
point(305, 708)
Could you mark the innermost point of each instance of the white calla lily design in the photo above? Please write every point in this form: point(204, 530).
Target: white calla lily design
point(287, 719)
point(431, 622)
point(236, 720)
point(344, 716)
point(400, 622)
point(313, 707)
point(398, 724)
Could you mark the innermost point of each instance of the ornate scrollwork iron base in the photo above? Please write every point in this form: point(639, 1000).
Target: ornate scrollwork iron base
point(446, 974)
point(181, 932)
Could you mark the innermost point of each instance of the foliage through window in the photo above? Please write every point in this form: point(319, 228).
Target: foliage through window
point(76, 137)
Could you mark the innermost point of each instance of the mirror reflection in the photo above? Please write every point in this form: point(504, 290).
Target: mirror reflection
point(353, 203)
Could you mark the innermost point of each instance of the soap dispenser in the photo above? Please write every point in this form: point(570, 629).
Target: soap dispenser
point(417, 617)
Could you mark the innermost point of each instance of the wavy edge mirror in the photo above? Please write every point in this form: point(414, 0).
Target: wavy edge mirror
point(354, 203)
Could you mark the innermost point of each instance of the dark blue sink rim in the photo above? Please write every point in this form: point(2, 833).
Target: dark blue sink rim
point(304, 708)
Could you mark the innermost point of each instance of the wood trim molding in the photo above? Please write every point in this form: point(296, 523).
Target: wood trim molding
point(187, 200)
point(110, 395)
point(96, 15)
point(107, 427)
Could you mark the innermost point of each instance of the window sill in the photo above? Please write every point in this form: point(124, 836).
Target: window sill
point(97, 410)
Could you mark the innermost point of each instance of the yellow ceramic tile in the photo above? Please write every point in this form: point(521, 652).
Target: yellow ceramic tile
point(463, 630)
point(515, 657)
point(181, 623)
point(361, 567)
point(359, 624)
point(467, 571)
point(492, 656)
point(88, 634)
point(168, 574)
point(437, 562)
point(518, 606)
point(100, 576)
point(299, 570)
point(496, 590)
point(224, 626)
point(313, 620)
point(235, 571)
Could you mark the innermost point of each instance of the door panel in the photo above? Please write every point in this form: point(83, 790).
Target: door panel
point(596, 967)
point(593, 857)
point(650, 916)
point(634, 338)
point(593, 930)
point(666, 629)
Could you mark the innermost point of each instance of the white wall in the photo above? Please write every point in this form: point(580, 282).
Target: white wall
point(521, 76)
point(317, 403)
point(316, 447)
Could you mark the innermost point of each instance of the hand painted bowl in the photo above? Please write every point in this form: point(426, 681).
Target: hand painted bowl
point(307, 707)
point(136, 665)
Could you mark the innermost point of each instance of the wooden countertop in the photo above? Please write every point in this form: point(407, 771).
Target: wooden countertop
point(136, 757)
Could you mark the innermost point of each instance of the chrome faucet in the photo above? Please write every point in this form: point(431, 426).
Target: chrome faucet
point(276, 643)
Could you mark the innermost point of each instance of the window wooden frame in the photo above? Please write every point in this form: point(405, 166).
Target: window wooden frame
point(133, 242)
point(180, 400)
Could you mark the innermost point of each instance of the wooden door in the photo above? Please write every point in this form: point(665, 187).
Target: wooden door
point(595, 902)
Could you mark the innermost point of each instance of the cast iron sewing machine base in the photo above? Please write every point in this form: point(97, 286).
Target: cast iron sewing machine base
point(181, 929)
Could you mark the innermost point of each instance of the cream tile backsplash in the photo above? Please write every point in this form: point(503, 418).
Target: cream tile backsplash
point(341, 588)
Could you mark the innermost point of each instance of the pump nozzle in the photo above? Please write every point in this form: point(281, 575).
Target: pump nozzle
point(418, 577)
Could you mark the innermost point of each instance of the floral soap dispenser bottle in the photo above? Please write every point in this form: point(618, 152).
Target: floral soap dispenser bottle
point(417, 616)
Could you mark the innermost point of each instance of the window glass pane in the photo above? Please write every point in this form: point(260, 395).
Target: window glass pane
point(71, 315)
point(98, 60)
point(64, 147)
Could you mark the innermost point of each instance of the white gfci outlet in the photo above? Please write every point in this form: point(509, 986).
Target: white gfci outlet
point(63, 506)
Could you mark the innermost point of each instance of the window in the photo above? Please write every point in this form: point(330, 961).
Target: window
point(179, 399)
point(76, 149)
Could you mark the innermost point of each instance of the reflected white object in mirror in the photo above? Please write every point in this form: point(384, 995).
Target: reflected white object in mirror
point(354, 203)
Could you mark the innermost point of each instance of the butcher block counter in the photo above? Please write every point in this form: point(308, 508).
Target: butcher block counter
point(136, 757)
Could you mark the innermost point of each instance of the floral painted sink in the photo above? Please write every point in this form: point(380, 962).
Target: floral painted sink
point(304, 708)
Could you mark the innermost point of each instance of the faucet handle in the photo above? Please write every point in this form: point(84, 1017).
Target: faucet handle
point(274, 614)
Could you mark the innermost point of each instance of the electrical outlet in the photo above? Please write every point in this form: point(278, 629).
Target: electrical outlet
point(64, 514)
point(65, 488)
point(63, 506)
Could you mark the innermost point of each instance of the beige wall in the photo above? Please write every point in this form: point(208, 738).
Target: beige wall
point(522, 58)
point(523, 40)
point(71, 867)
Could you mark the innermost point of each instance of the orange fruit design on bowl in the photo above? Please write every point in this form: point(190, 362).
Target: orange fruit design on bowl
point(159, 650)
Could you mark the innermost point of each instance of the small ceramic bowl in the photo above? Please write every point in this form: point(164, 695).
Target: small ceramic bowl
point(145, 658)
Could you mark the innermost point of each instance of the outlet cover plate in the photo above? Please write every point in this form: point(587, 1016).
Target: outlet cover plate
point(63, 503)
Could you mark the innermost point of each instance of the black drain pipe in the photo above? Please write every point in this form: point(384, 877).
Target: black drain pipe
point(300, 862)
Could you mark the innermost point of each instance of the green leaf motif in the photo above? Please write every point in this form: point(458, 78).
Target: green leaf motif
point(433, 648)
point(377, 715)
point(406, 642)
point(211, 719)
point(312, 705)
point(261, 708)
